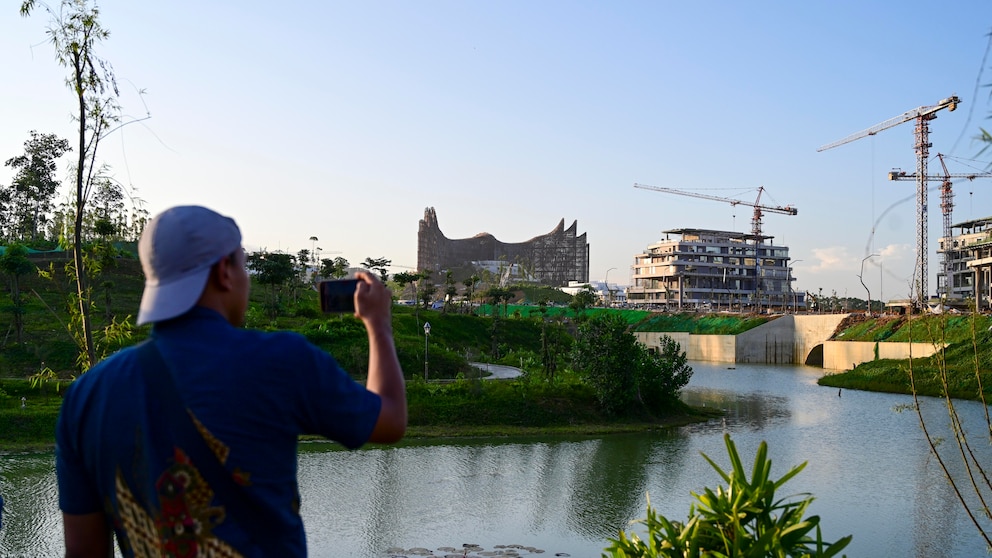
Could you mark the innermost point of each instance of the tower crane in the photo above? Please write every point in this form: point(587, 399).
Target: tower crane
point(946, 203)
point(922, 115)
point(758, 208)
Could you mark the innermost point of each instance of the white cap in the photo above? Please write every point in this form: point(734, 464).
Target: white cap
point(177, 249)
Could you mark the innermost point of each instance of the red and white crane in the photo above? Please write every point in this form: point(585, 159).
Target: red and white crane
point(946, 203)
point(922, 115)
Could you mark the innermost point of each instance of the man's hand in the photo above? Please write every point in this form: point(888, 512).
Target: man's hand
point(373, 305)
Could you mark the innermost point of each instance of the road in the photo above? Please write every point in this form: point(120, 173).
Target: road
point(498, 371)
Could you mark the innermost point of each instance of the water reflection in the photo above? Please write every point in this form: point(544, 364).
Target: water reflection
point(32, 525)
point(868, 467)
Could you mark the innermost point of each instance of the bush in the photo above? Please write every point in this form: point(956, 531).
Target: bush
point(742, 520)
point(623, 372)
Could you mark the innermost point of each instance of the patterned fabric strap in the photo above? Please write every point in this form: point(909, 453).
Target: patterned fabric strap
point(255, 519)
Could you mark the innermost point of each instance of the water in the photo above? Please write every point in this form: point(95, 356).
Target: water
point(869, 470)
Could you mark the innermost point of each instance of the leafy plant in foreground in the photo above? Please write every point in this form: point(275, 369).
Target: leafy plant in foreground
point(743, 520)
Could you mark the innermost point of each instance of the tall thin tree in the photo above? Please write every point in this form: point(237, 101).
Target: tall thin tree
point(75, 32)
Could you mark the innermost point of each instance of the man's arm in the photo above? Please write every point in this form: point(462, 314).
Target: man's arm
point(373, 305)
point(87, 536)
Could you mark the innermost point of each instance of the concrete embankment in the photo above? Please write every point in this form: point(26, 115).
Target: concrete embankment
point(789, 340)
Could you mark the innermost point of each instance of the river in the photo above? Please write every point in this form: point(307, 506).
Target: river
point(869, 470)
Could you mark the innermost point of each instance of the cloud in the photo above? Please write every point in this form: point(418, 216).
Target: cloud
point(830, 258)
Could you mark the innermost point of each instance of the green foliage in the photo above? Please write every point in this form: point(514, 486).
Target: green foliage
point(31, 425)
point(622, 371)
point(708, 324)
point(948, 328)
point(277, 272)
point(660, 378)
point(501, 403)
point(378, 265)
point(29, 198)
point(963, 370)
point(535, 294)
point(14, 263)
point(743, 520)
point(336, 268)
point(581, 300)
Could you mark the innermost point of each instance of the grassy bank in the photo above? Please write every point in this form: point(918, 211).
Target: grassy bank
point(963, 370)
point(455, 403)
point(473, 407)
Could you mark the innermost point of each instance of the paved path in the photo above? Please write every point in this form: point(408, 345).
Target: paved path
point(498, 371)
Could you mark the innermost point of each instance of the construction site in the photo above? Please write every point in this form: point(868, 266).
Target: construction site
point(703, 269)
point(694, 268)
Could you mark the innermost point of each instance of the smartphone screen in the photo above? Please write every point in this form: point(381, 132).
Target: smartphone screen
point(338, 295)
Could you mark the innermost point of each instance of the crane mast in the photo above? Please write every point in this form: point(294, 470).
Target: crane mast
point(922, 115)
point(946, 204)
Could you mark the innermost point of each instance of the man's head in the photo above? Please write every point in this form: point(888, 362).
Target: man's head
point(178, 249)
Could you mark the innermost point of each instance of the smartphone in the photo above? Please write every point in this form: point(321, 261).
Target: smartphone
point(338, 295)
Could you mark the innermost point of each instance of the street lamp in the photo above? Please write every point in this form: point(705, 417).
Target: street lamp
point(866, 258)
point(427, 333)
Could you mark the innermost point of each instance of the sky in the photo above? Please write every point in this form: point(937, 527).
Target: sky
point(346, 120)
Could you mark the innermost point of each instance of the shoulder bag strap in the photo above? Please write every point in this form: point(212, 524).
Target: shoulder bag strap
point(255, 519)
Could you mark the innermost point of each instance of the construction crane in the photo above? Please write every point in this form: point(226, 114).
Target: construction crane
point(922, 115)
point(758, 208)
point(946, 203)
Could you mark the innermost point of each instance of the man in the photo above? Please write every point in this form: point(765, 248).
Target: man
point(123, 464)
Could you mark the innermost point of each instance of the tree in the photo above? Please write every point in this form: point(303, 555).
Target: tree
point(660, 377)
point(379, 265)
point(405, 278)
point(303, 263)
point(29, 199)
point(495, 296)
point(340, 268)
point(336, 268)
point(449, 290)
point(426, 287)
point(622, 371)
point(582, 300)
point(275, 270)
point(75, 32)
point(14, 262)
point(470, 284)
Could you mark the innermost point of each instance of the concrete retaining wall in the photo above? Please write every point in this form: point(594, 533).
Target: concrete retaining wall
point(787, 340)
point(844, 355)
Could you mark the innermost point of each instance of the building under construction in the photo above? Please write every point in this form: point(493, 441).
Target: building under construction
point(551, 259)
point(712, 270)
point(967, 270)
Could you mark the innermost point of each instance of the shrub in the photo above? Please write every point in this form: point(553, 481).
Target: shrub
point(742, 520)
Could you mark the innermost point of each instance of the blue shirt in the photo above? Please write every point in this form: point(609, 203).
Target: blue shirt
point(254, 392)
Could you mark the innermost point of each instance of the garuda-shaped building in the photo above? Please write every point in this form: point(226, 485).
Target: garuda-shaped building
point(552, 259)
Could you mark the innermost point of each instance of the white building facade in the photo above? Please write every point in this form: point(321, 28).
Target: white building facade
point(956, 280)
point(701, 269)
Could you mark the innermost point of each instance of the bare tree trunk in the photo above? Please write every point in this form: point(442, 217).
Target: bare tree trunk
point(77, 237)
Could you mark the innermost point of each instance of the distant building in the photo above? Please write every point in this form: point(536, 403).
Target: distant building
point(967, 257)
point(609, 294)
point(713, 270)
point(552, 259)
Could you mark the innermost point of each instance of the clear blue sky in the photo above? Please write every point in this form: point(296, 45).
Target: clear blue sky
point(345, 120)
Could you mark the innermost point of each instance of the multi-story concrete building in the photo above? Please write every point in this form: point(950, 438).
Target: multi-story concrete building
point(706, 269)
point(961, 262)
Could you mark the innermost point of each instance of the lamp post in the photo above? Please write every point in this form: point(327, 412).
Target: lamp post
point(866, 258)
point(609, 291)
point(427, 333)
